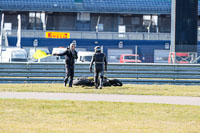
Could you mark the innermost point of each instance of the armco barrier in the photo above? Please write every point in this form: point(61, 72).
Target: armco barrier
point(140, 73)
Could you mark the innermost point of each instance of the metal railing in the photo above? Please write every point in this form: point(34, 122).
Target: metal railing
point(128, 73)
point(99, 35)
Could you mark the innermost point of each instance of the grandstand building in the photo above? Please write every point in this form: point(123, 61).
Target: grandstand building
point(120, 26)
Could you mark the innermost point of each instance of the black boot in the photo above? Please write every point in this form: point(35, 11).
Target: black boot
point(65, 82)
point(71, 82)
point(96, 86)
point(101, 82)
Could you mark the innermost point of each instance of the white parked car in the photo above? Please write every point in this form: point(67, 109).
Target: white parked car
point(58, 51)
point(84, 56)
point(14, 55)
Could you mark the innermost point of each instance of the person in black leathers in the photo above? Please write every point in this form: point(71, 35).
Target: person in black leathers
point(100, 65)
point(70, 56)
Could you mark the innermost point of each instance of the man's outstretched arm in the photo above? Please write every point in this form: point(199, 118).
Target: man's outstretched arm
point(62, 54)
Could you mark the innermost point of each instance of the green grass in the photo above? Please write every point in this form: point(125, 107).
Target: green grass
point(163, 90)
point(42, 116)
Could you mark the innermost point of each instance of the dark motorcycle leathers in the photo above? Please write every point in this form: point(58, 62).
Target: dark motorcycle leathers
point(70, 57)
point(100, 65)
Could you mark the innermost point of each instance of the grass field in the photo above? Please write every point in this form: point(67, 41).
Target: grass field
point(41, 116)
point(47, 116)
point(163, 90)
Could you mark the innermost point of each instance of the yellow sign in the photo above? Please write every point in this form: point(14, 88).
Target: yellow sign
point(57, 35)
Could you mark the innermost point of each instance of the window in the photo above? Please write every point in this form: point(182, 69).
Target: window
point(18, 54)
point(130, 57)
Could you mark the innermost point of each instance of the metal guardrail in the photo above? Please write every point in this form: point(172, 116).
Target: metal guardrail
point(188, 74)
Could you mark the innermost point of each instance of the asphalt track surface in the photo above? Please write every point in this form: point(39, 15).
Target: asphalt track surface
point(178, 100)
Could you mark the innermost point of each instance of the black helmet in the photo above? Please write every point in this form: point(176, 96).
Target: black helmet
point(97, 49)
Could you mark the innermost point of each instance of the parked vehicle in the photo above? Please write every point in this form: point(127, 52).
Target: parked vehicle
point(85, 56)
point(14, 55)
point(181, 58)
point(129, 58)
point(58, 51)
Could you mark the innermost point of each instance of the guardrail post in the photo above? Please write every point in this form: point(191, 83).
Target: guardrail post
point(29, 69)
point(137, 72)
point(175, 73)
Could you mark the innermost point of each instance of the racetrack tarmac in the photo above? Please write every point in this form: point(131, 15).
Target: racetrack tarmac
point(179, 100)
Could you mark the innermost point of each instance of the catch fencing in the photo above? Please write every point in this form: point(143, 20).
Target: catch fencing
point(188, 74)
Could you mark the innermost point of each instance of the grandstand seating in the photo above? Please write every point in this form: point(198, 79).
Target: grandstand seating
point(126, 6)
point(135, 6)
point(37, 5)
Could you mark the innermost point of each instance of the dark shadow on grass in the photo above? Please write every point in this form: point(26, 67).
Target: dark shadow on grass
point(87, 87)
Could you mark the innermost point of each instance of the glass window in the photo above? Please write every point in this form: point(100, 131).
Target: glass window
point(130, 57)
point(183, 58)
point(88, 58)
point(18, 55)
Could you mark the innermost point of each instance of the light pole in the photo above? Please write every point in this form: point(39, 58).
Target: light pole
point(1, 34)
point(35, 44)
